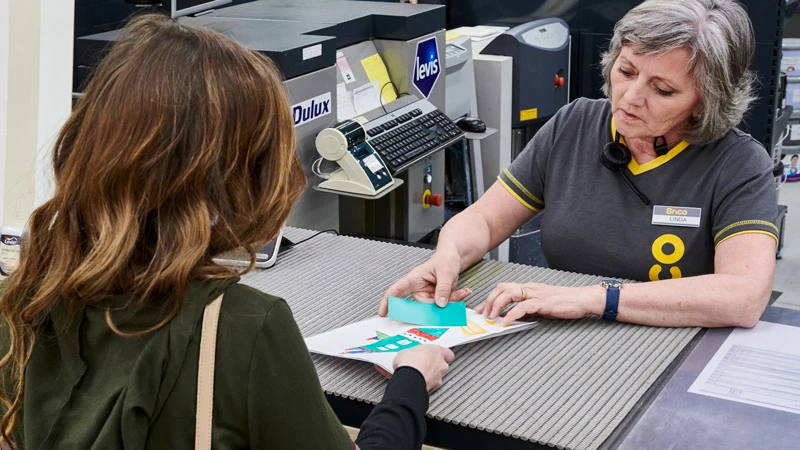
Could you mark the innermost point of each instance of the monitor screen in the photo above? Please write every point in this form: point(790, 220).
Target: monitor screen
point(179, 8)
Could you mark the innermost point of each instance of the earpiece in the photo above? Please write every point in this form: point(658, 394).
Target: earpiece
point(660, 148)
point(615, 157)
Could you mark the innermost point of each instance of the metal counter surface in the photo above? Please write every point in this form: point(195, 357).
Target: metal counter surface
point(565, 383)
point(678, 418)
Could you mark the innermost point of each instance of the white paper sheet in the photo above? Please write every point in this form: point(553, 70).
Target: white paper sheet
point(759, 366)
point(367, 97)
point(384, 337)
point(344, 103)
point(479, 31)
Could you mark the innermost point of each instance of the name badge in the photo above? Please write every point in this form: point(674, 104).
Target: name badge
point(676, 216)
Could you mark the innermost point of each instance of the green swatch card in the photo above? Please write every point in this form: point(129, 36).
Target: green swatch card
point(417, 313)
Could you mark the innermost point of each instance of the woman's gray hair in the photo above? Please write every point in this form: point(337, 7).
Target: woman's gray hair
point(719, 36)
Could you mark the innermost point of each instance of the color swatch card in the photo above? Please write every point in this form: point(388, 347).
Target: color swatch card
point(377, 340)
point(418, 313)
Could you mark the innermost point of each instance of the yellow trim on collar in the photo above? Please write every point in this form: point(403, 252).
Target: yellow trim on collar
point(637, 168)
point(508, 188)
point(768, 233)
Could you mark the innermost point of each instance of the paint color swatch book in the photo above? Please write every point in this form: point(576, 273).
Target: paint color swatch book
point(378, 339)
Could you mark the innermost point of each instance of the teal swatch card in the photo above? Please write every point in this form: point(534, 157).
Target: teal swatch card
point(410, 311)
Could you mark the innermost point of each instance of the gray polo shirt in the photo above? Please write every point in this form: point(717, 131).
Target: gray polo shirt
point(595, 224)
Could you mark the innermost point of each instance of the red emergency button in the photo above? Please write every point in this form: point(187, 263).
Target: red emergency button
point(429, 199)
point(559, 81)
point(435, 199)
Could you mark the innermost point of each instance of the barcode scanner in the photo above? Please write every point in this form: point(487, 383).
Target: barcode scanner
point(615, 157)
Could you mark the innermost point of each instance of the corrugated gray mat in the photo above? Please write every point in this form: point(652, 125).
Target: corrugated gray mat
point(565, 383)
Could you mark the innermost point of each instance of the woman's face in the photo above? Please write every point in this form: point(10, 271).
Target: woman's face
point(653, 95)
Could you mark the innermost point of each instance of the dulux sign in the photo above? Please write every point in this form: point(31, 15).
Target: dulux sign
point(426, 66)
point(311, 109)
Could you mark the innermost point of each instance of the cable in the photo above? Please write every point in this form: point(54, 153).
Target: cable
point(317, 234)
point(397, 94)
point(316, 167)
point(784, 135)
point(515, 235)
point(781, 182)
point(381, 96)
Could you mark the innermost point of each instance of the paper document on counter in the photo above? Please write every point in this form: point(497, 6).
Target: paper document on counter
point(377, 340)
point(479, 32)
point(759, 366)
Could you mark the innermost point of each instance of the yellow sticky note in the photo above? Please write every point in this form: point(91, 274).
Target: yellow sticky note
point(451, 35)
point(528, 114)
point(376, 71)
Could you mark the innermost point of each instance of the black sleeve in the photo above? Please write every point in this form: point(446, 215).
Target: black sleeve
point(398, 421)
point(525, 177)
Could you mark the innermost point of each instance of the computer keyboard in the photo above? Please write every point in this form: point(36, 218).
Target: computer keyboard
point(411, 133)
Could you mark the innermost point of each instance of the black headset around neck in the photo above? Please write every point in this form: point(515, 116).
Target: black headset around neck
point(616, 156)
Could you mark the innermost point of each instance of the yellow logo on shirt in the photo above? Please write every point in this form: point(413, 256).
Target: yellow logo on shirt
point(667, 259)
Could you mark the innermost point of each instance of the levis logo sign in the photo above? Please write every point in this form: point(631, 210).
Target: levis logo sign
point(426, 66)
point(311, 109)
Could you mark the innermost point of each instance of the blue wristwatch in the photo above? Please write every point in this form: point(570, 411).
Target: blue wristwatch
point(612, 298)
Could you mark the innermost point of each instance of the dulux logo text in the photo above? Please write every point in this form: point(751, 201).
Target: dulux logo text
point(426, 66)
point(311, 109)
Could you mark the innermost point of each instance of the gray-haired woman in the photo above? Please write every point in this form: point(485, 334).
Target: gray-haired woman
point(689, 199)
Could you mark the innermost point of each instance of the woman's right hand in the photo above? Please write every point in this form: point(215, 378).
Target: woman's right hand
point(432, 282)
point(431, 360)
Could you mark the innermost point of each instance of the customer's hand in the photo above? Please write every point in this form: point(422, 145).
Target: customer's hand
point(554, 302)
point(431, 360)
point(431, 282)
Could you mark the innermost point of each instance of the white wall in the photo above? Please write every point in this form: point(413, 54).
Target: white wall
point(39, 79)
point(3, 96)
point(55, 86)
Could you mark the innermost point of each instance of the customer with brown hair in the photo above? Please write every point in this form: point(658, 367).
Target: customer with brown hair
point(182, 148)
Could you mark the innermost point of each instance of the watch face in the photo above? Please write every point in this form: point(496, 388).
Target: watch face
point(611, 284)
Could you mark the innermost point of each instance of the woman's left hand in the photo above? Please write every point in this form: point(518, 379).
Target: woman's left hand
point(557, 302)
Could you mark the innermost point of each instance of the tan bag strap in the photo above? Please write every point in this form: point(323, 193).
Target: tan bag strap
point(205, 376)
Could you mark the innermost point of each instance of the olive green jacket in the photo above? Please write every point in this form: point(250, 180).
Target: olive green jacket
point(88, 388)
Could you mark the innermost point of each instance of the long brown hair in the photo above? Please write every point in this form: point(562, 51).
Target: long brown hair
point(183, 147)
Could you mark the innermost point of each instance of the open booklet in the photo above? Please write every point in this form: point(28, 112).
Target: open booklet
point(377, 340)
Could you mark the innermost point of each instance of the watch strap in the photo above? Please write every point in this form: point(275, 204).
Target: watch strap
point(612, 303)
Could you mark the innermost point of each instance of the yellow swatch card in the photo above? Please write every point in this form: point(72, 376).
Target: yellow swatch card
point(376, 71)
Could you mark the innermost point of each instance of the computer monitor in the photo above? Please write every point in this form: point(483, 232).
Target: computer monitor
point(179, 8)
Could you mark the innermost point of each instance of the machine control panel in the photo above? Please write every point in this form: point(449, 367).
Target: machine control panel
point(551, 36)
point(454, 51)
point(540, 76)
